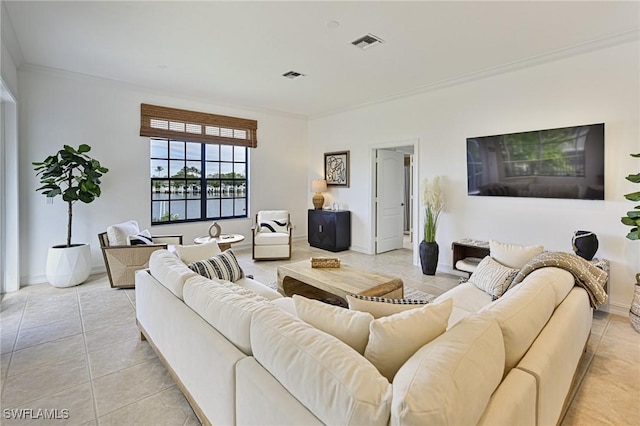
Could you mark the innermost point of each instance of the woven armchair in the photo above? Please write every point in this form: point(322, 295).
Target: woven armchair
point(122, 261)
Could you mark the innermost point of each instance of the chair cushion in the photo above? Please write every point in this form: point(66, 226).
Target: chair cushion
point(223, 266)
point(193, 253)
point(142, 238)
point(264, 215)
point(118, 234)
point(271, 239)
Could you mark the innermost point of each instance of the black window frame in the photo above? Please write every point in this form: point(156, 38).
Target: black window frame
point(209, 194)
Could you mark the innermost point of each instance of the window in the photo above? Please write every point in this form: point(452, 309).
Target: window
point(195, 181)
point(198, 164)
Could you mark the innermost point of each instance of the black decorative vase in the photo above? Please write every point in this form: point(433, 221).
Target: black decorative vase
point(585, 244)
point(429, 257)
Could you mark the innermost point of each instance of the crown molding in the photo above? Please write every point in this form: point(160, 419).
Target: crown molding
point(147, 89)
point(556, 55)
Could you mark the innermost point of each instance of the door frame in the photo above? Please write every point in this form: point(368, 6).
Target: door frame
point(417, 236)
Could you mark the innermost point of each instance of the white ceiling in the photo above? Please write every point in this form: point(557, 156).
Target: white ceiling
point(236, 52)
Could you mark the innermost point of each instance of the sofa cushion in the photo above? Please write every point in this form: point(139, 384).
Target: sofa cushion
point(258, 288)
point(271, 238)
point(195, 252)
point(286, 304)
point(118, 234)
point(521, 314)
point(351, 327)
point(382, 306)
point(513, 255)
point(225, 306)
point(170, 271)
point(467, 299)
point(493, 277)
point(223, 266)
point(393, 339)
point(449, 381)
point(559, 279)
point(333, 381)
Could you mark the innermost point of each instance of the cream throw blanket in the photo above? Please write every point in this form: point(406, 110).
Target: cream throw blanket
point(588, 276)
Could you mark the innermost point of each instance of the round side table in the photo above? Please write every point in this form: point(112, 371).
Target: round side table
point(224, 241)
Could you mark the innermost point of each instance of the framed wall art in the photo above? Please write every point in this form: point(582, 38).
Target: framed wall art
point(336, 168)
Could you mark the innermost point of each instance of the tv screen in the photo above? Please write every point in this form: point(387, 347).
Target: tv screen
point(555, 163)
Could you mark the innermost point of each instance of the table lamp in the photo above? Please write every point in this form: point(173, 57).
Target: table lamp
point(318, 186)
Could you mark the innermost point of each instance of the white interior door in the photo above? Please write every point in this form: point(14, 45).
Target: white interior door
point(389, 200)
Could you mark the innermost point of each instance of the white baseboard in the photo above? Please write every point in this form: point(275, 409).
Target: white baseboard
point(617, 309)
point(42, 279)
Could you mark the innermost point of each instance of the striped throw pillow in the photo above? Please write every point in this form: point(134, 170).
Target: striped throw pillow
point(381, 306)
point(492, 277)
point(223, 266)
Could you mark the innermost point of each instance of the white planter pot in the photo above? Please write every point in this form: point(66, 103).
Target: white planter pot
point(68, 266)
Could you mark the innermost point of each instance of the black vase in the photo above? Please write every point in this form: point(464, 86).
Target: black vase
point(429, 257)
point(585, 244)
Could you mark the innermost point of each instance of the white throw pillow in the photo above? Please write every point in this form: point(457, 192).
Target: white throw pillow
point(118, 234)
point(223, 266)
point(193, 253)
point(394, 339)
point(381, 306)
point(513, 255)
point(493, 277)
point(351, 327)
point(141, 238)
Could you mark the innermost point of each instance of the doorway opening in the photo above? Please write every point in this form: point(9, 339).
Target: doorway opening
point(394, 195)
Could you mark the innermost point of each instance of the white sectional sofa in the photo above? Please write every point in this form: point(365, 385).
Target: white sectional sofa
point(241, 356)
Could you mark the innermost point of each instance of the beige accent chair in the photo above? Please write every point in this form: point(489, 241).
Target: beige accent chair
point(122, 259)
point(272, 235)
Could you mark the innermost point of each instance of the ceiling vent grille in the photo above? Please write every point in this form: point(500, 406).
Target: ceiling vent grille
point(292, 75)
point(367, 41)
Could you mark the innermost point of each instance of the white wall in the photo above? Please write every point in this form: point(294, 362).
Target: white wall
point(594, 87)
point(59, 108)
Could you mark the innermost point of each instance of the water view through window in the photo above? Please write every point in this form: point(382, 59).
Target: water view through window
point(195, 181)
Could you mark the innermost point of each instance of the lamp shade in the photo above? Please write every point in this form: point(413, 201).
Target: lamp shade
point(318, 185)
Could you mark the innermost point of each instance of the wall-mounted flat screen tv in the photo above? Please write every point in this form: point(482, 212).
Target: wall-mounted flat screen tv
point(555, 163)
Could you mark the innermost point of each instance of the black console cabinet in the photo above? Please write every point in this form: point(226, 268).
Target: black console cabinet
point(330, 229)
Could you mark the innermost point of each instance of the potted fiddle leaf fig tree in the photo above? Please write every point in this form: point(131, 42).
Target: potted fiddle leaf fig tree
point(73, 175)
point(633, 219)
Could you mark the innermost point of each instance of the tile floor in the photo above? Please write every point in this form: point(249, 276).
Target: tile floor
point(76, 352)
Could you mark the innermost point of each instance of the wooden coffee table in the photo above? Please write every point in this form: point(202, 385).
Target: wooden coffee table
point(333, 284)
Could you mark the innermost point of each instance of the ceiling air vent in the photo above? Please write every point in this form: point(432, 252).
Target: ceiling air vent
point(292, 75)
point(367, 41)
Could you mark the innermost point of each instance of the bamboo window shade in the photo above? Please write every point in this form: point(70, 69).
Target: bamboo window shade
point(192, 126)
